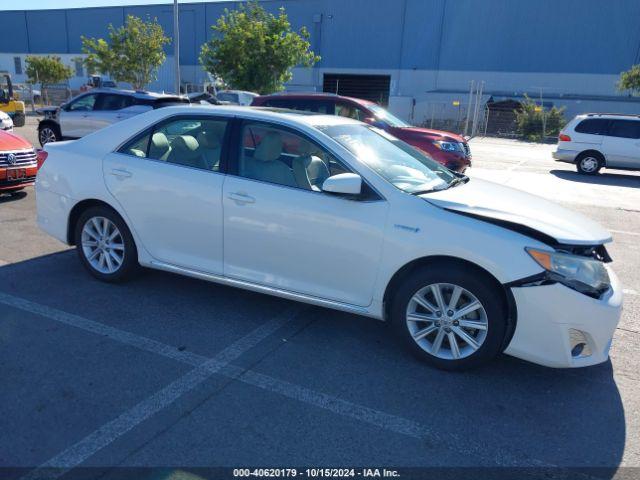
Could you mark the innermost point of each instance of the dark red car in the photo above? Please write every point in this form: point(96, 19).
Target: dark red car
point(447, 148)
point(18, 162)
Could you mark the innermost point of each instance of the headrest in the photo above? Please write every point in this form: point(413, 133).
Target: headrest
point(159, 145)
point(305, 148)
point(185, 143)
point(270, 148)
point(209, 139)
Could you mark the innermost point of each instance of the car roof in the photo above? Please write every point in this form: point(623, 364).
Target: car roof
point(608, 115)
point(261, 113)
point(134, 93)
point(309, 95)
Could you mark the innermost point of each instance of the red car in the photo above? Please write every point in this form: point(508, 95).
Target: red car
point(19, 162)
point(447, 148)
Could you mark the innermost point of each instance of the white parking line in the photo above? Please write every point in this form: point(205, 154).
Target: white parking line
point(629, 291)
point(625, 232)
point(88, 446)
point(219, 364)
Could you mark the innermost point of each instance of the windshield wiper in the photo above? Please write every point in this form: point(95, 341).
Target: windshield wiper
point(458, 181)
point(429, 190)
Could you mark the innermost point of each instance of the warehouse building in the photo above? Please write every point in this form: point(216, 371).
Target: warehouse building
point(417, 56)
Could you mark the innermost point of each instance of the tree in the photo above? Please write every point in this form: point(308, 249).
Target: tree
point(532, 120)
point(630, 80)
point(133, 53)
point(255, 50)
point(46, 70)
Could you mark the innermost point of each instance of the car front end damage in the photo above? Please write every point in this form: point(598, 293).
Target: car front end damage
point(562, 324)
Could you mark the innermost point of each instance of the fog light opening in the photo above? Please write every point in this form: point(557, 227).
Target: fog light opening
point(577, 350)
point(579, 344)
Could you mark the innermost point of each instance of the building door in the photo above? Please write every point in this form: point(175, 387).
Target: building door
point(368, 87)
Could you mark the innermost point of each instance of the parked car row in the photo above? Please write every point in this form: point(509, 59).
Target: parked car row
point(98, 108)
point(534, 281)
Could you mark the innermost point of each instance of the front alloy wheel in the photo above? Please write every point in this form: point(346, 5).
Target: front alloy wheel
point(447, 321)
point(450, 314)
point(47, 135)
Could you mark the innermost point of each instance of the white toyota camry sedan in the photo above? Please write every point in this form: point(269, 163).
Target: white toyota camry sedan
point(337, 213)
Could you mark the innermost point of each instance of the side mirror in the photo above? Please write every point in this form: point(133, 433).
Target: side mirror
point(344, 183)
point(374, 122)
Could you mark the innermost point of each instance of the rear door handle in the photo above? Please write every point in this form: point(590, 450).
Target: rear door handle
point(241, 198)
point(120, 173)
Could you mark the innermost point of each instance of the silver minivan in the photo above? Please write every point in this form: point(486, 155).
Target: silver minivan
point(596, 140)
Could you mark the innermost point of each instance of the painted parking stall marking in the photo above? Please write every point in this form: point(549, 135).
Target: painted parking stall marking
point(221, 365)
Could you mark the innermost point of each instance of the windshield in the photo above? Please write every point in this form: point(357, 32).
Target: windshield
point(400, 164)
point(385, 116)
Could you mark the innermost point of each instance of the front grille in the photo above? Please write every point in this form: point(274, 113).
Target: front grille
point(465, 147)
point(23, 158)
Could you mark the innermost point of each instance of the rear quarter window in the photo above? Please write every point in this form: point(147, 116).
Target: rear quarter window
point(625, 129)
point(593, 126)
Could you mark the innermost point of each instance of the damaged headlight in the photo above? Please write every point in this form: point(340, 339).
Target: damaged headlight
point(586, 275)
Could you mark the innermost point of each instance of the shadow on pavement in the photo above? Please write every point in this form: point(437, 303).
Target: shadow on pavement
point(611, 179)
point(573, 419)
point(12, 197)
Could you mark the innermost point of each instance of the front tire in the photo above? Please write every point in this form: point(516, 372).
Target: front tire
point(105, 245)
point(589, 163)
point(451, 316)
point(48, 134)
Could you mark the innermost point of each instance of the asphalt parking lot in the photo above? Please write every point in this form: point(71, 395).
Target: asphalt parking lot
point(176, 373)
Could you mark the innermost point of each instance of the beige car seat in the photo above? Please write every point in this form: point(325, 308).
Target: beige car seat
point(265, 164)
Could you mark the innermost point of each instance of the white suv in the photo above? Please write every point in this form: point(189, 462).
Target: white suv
point(597, 140)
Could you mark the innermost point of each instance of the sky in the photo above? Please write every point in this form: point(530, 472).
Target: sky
point(42, 4)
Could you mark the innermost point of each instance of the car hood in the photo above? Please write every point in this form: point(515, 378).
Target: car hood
point(520, 211)
point(416, 132)
point(11, 141)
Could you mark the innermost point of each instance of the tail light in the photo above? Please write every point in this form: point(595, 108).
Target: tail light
point(41, 156)
point(564, 138)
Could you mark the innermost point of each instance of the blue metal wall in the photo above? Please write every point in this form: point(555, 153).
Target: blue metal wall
point(546, 36)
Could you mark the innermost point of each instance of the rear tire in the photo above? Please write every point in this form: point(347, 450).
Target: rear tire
point(105, 245)
point(589, 163)
point(450, 337)
point(19, 120)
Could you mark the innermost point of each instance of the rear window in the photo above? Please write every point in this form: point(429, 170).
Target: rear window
point(625, 129)
point(168, 101)
point(305, 105)
point(594, 126)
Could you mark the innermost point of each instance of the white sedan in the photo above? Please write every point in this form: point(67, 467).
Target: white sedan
point(333, 212)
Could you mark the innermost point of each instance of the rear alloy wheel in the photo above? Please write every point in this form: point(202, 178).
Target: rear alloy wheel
point(47, 134)
point(450, 315)
point(105, 245)
point(589, 164)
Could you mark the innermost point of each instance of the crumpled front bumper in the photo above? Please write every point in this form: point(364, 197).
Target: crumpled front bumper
point(549, 317)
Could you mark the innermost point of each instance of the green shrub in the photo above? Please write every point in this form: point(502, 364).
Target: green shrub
point(530, 118)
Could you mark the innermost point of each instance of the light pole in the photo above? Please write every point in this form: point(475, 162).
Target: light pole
point(176, 45)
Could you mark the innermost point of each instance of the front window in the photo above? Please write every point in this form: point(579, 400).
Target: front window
point(82, 104)
point(400, 164)
point(385, 116)
point(276, 155)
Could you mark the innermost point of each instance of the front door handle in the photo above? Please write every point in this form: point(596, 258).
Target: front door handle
point(120, 173)
point(241, 198)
